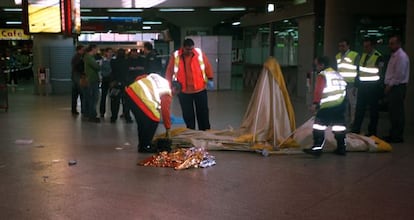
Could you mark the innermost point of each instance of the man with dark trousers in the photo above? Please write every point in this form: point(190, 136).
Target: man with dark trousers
point(77, 72)
point(369, 83)
point(190, 67)
point(152, 62)
point(396, 79)
point(119, 73)
point(150, 99)
point(136, 65)
point(329, 105)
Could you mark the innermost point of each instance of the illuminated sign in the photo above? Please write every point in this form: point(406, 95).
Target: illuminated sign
point(44, 16)
point(13, 34)
point(51, 16)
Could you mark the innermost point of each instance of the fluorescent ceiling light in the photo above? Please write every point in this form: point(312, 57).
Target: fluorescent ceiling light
point(175, 9)
point(235, 23)
point(229, 9)
point(86, 10)
point(18, 2)
point(12, 9)
point(151, 22)
point(146, 27)
point(95, 17)
point(13, 22)
point(140, 3)
point(125, 10)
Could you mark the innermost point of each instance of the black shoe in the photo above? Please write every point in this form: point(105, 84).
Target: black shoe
point(147, 149)
point(163, 144)
point(75, 113)
point(312, 151)
point(390, 139)
point(340, 151)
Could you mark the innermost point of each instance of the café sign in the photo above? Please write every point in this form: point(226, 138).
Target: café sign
point(13, 34)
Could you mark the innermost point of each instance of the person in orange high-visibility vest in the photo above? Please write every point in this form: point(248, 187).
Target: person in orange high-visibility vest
point(190, 67)
point(150, 100)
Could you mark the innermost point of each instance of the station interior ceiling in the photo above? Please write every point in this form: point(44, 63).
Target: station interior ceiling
point(202, 16)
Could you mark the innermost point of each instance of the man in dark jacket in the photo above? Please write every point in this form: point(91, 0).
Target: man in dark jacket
point(77, 71)
point(118, 82)
point(152, 62)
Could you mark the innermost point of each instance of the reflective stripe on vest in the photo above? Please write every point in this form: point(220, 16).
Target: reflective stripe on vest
point(146, 93)
point(369, 72)
point(346, 66)
point(334, 92)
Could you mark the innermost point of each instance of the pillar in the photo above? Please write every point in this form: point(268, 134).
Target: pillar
point(409, 49)
point(338, 25)
point(306, 52)
point(55, 53)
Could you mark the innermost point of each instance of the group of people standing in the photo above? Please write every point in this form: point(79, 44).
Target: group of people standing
point(109, 72)
point(137, 80)
point(342, 96)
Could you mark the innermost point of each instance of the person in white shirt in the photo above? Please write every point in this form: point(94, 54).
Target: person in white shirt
point(396, 79)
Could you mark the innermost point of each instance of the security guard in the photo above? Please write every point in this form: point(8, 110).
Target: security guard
point(347, 61)
point(329, 105)
point(369, 84)
point(150, 98)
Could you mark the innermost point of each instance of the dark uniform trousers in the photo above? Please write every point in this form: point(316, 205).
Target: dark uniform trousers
point(396, 110)
point(369, 94)
point(328, 117)
point(146, 126)
point(200, 101)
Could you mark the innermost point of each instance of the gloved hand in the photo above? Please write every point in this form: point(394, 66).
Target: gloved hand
point(210, 84)
point(167, 133)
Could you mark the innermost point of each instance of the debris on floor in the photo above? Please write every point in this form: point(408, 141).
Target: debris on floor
point(181, 158)
point(72, 162)
point(24, 141)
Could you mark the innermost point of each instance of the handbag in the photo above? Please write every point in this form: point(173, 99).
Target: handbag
point(83, 81)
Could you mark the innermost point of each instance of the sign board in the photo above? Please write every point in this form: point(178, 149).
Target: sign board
point(13, 34)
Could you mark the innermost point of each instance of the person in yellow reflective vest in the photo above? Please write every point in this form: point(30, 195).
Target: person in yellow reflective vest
point(369, 83)
point(150, 99)
point(347, 66)
point(329, 106)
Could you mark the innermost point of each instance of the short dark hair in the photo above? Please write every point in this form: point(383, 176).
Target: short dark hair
point(148, 45)
point(397, 36)
point(91, 47)
point(120, 53)
point(324, 60)
point(188, 42)
point(79, 47)
point(108, 49)
point(344, 40)
point(372, 40)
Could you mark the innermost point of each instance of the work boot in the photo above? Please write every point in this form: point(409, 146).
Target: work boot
point(147, 149)
point(340, 150)
point(315, 151)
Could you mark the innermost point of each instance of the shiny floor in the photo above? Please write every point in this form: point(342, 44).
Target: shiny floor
point(39, 136)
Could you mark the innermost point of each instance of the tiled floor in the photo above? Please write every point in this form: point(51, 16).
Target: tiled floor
point(37, 183)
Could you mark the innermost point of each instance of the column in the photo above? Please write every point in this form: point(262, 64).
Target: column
point(306, 52)
point(338, 25)
point(55, 53)
point(409, 49)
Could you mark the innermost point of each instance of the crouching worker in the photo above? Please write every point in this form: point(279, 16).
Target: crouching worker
point(150, 98)
point(329, 105)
